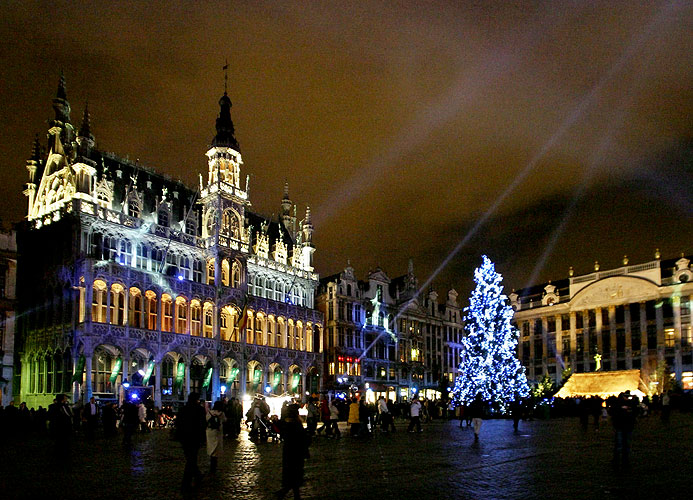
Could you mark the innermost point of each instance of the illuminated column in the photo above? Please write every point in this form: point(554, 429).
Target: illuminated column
point(659, 314)
point(89, 299)
point(599, 328)
point(125, 320)
point(160, 313)
point(629, 339)
point(157, 383)
point(573, 342)
point(108, 305)
point(187, 378)
point(531, 350)
point(677, 329)
point(612, 335)
point(126, 365)
point(560, 363)
point(87, 369)
point(304, 380)
point(75, 385)
point(643, 333)
point(216, 383)
point(188, 317)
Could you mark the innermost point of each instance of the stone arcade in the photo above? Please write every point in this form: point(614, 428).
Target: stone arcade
point(128, 275)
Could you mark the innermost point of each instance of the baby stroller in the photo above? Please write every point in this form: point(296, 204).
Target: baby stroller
point(273, 431)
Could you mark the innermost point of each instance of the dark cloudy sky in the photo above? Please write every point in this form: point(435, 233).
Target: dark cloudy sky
point(545, 134)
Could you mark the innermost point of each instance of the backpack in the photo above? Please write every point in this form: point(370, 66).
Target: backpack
point(214, 423)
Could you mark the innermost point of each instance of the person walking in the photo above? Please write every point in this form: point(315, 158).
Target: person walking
point(516, 413)
point(476, 413)
point(294, 452)
point(415, 415)
point(353, 419)
point(190, 429)
point(90, 414)
point(215, 434)
point(333, 429)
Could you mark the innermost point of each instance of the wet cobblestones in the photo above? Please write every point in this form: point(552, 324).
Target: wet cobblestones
point(546, 459)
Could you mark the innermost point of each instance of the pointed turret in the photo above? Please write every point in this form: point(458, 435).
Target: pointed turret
point(33, 165)
point(307, 242)
point(225, 131)
point(288, 221)
point(60, 104)
point(85, 138)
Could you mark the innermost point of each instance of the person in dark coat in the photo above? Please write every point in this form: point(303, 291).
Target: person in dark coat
point(295, 450)
point(60, 422)
point(130, 421)
point(190, 428)
point(623, 414)
point(108, 418)
point(516, 413)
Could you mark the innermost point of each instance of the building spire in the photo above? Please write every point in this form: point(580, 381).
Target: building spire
point(225, 131)
point(85, 129)
point(85, 138)
point(36, 150)
point(60, 104)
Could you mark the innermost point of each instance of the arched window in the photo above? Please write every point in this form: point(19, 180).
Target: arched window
point(290, 335)
point(195, 318)
point(117, 304)
point(309, 338)
point(152, 310)
point(136, 308)
point(166, 313)
point(299, 342)
point(181, 315)
point(225, 272)
point(270, 331)
point(259, 323)
point(235, 274)
point(98, 305)
point(209, 320)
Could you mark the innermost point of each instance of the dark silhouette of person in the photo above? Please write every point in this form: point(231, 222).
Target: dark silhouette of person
point(190, 429)
point(294, 452)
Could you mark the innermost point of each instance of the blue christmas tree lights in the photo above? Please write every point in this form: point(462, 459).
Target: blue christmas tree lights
point(489, 363)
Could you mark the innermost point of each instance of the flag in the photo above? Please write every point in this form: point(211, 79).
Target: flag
point(208, 378)
point(180, 374)
point(148, 372)
point(77, 377)
point(116, 370)
point(244, 315)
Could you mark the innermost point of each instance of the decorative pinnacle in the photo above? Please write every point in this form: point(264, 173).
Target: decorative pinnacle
point(85, 129)
point(62, 93)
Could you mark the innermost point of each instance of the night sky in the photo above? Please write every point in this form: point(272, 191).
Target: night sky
point(545, 135)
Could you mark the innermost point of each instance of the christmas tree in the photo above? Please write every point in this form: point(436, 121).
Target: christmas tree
point(489, 363)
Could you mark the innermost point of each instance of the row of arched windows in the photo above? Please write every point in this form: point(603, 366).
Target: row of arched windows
point(195, 317)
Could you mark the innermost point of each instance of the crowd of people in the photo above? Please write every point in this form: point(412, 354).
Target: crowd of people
point(198, 424)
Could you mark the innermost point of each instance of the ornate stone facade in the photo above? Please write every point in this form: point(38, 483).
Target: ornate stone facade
point(635, 316)
point(8, 287)
point(380, 334)
point(128, 275)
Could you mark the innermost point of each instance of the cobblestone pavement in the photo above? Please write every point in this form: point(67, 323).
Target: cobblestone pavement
point(546, 459)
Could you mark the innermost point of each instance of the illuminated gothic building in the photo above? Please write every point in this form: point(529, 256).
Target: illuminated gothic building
point(130, 276)
point(380, 335)
point(631, 317)
point(8, 281)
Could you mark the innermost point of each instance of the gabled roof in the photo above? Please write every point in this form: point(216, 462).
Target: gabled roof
point(603, 384)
